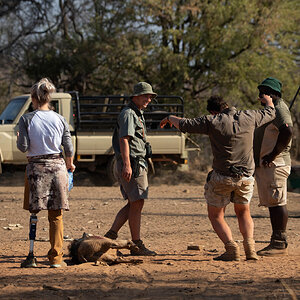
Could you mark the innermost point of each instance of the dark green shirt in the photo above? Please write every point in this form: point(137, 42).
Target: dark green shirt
point(265, 137)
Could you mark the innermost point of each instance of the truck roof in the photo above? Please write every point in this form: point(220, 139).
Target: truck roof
point(58, 95)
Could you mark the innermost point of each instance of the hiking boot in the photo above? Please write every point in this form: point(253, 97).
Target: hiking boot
point(249, 247)
point(110, 234)
point(141, 249)
point(275, 248)
point(61, 265)
point(232, 252)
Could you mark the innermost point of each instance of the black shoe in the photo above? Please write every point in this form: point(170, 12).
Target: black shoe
point(110, 234)
point(141, 249)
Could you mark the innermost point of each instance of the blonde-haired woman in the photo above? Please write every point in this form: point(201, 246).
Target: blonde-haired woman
point(42, 133)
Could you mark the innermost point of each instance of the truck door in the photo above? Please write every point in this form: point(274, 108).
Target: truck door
point(8, 128)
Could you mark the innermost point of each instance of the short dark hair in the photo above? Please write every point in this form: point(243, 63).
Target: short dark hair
point(216, 103)
point(268, 91)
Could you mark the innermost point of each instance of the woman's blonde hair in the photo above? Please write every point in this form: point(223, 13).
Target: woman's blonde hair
point(41, 91)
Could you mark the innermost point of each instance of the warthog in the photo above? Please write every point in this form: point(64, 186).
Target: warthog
point(90, 248)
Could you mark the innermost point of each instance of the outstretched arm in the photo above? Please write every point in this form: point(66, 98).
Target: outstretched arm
point(172, 120)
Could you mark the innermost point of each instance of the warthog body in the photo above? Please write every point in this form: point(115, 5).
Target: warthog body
point(95, 248)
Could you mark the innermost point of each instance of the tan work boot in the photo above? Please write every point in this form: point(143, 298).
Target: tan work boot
point(275, 248)
point(232, 252)
point(141, 249)
point(249, 247)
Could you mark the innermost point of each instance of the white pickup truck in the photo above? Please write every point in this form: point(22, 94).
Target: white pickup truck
point(92, 120)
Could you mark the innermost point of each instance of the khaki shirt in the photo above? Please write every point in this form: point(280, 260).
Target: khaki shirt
point(231, 136)
point(265, 137)
point(131, 123)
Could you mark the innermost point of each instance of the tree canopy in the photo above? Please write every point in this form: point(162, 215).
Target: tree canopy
point(193, 48)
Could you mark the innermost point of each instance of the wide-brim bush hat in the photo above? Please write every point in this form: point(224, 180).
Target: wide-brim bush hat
point(272, 83)
point(143, 88)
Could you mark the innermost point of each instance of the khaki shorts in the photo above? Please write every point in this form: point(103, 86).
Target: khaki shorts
point(136, 188)
point(272, 185)
point(220, 190)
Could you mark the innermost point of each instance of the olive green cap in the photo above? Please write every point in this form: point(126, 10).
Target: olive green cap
point(272, 83)
point(143, 88)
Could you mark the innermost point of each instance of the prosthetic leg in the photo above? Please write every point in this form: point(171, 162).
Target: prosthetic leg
point(30, 261)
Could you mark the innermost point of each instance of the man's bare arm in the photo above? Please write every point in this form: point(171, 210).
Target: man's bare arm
point(125, 153)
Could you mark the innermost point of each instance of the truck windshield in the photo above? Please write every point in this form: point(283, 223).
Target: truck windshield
point(12, 109)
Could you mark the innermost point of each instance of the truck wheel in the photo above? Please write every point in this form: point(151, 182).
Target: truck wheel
point(110, 170)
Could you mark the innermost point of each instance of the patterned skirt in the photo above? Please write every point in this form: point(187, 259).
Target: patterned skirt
point(48, 183)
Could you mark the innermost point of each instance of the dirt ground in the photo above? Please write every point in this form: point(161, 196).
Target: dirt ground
point(174, 217)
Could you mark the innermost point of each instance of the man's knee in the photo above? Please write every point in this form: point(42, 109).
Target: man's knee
point(242, 211)
point(215, 213)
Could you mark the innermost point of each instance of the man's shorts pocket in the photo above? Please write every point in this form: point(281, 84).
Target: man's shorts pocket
point(277, 191)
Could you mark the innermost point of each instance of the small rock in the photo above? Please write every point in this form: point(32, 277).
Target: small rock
point(51, 287)
point(212, 250)
point(193, 247)
point(15, 225)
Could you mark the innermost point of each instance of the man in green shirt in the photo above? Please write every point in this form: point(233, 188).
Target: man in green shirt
point(129, 144)
point(272, 143)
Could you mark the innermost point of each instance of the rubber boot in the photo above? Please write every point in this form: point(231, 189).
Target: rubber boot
point(249, 247)
point(277, 246)
point(232, 252)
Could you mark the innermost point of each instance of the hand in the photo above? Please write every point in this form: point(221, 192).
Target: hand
point(267, 160)
point(266, 99)
point(165, 121)
point(71, 167)
point(127, 172)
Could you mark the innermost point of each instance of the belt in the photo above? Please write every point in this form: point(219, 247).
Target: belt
point(47, 156)
point(232, 175)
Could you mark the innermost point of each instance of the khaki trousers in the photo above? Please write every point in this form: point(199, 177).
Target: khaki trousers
point(56, 228)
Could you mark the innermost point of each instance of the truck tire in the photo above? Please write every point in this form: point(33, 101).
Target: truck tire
point(110, 170)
